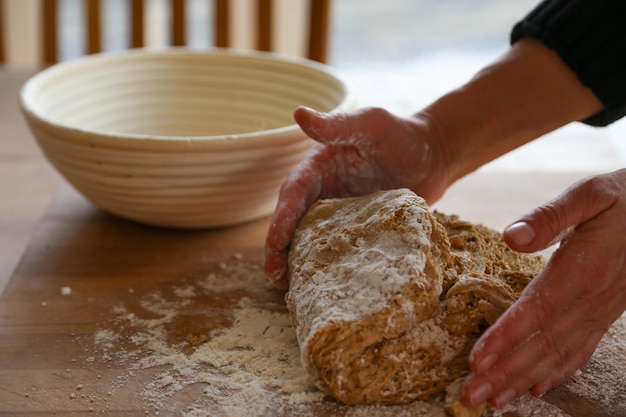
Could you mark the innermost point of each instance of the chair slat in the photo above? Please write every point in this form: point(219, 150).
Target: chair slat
point(317, 48)
point(264, 25)
point(94, 26)
point(178, 22)
point(222, 23)
point(137, 28)
point(319, 26)
point(2, 53)
point(49, 32)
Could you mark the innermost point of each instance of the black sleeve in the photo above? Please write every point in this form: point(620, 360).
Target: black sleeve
point(590, 37)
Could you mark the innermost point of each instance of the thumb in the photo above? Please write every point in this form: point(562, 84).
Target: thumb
point(345, 129)
point(551, 222)
point(326, 128)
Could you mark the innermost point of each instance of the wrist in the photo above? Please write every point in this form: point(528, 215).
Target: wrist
point(524, 94)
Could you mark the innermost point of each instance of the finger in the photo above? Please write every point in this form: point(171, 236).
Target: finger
point(281, 230)
point(592, 335)
point(572, 272)
point(542, 301)
point(537, 334)
point(300, 190)
point(567, 369)
point(550, 222)
point(343, 129)
point(539, 306)
point(556, 366)
point(564, 346)
point(582, 279)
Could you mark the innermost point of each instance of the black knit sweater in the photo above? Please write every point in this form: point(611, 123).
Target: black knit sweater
point(590, 37)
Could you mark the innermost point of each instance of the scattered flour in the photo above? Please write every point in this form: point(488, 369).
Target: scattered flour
point(185, 292)
point(245, 365)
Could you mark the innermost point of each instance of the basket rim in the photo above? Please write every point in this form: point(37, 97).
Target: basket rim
point(30, 88)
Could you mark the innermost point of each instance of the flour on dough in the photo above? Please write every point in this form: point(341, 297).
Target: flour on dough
point(388, 298)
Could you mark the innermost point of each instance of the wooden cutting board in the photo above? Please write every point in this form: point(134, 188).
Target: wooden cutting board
point(107, 316)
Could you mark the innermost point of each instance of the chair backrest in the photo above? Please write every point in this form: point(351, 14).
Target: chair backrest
point(264, 19)
point(2, 41)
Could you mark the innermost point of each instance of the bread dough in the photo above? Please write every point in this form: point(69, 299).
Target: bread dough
point(453, 405)
point(388, 298)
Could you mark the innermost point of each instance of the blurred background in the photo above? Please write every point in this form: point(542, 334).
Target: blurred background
point(396, 31)
point(397, 54)
point(362, 31)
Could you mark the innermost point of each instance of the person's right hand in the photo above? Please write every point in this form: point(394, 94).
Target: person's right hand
point(358, 153)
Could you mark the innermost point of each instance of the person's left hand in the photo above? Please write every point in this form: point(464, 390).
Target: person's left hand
point(557, 323)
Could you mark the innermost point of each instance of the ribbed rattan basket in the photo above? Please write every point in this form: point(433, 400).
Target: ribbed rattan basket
point(178, 138)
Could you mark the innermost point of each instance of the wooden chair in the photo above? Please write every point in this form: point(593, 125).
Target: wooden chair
point(2, 41)
point(317, 39)
point(2, 36)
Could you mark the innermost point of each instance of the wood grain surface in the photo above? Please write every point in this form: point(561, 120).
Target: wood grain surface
point(48, 364)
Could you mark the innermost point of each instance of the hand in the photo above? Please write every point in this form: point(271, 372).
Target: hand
point(357, 153)
point(557, 323)
point(524, 94)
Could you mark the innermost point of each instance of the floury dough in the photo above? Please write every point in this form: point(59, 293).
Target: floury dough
point(388, 298)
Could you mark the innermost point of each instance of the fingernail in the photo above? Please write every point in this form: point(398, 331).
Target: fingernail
point(312, 110)
point(480, 394)
point(486, 363)
point(505, 397)
point(540, 389)
point(521, 233)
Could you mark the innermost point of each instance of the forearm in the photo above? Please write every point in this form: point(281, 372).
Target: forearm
point(526, 93)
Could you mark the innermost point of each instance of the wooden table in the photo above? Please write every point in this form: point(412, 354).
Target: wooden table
point(27, 182)
point(82, 265)
point(46, 336)
point(49, 361)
